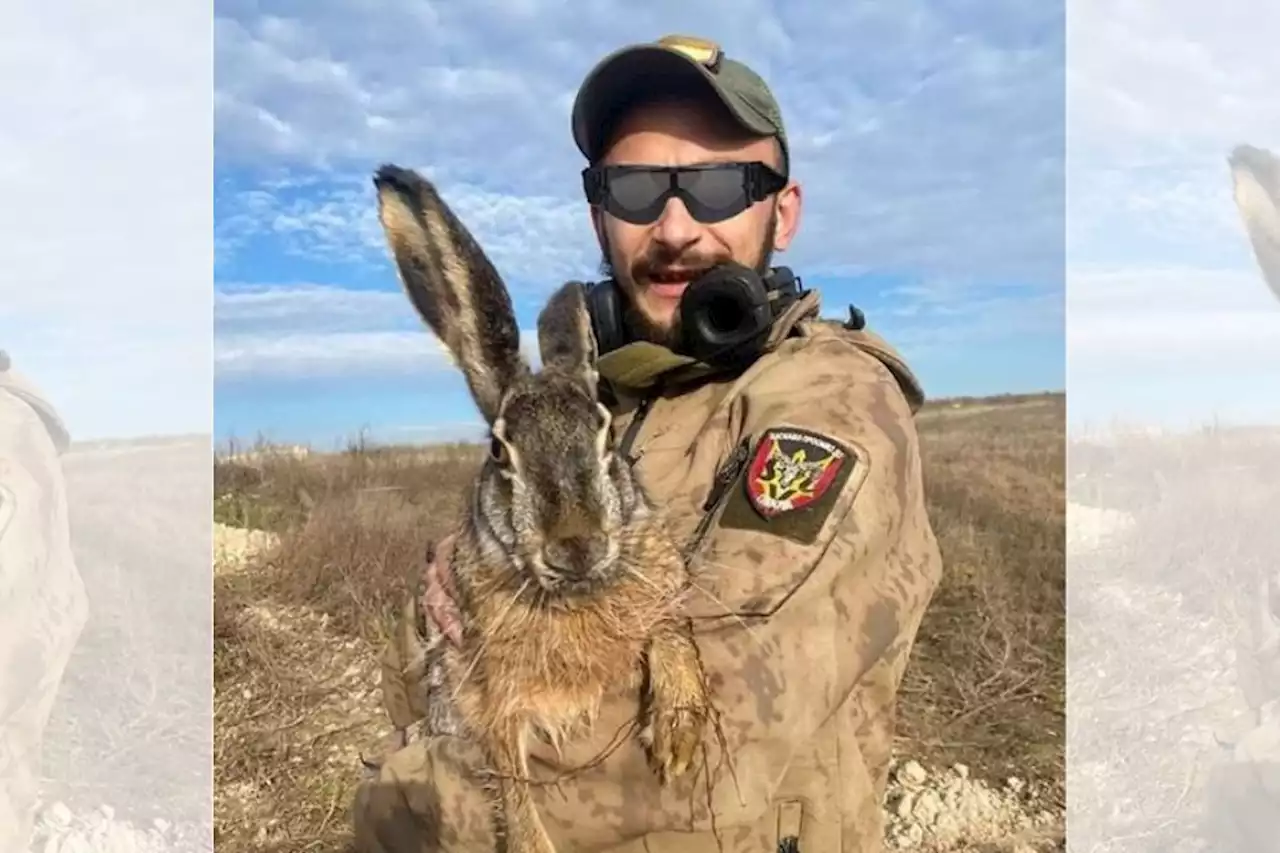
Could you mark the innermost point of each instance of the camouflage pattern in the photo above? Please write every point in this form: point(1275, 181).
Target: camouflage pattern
point(42, 599)
point(805, 619)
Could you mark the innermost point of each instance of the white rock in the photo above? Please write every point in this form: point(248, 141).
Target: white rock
point(927, 808)
point(946, 826)
point(912, 773)
point(75, 843)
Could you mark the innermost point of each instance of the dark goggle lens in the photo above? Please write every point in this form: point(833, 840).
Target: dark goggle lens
point(639, 195)
point(717, 191)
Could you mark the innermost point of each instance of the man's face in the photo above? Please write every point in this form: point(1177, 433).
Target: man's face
point(654, 263)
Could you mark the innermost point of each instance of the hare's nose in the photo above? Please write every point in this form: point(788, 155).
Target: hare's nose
point(573, 556)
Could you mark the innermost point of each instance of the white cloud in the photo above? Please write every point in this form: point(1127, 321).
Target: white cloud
point(307, 305)
point(314, 331)
point(1179, 72)
point(327, 354)
point(105, 158)
point(529, 238)
point(1165, 321)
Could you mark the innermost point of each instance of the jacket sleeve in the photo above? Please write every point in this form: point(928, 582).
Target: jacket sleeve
point(822, 553)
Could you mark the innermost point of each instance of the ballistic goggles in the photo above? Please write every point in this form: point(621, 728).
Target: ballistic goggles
point(711, 192)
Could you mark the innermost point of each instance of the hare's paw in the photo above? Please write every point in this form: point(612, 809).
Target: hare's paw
point(678, 707)
point(673, 735)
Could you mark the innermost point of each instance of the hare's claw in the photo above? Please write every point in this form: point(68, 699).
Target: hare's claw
point(675, 735)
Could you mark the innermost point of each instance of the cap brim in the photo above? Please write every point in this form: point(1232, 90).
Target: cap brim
point(638, 71)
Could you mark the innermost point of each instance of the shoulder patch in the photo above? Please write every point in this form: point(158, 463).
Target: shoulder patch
point(790, 484)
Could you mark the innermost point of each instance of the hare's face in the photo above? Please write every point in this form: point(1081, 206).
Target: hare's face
point(557, 496)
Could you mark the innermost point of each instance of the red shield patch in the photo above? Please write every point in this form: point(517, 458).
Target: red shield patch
point(791, 469)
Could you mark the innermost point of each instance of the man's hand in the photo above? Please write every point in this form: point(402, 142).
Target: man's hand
point(429, 612)
point(438, 603)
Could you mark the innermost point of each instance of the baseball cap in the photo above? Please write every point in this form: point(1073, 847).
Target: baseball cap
point(672, 63)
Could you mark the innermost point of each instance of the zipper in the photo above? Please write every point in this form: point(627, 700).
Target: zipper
point(633, 430)
point(725, 477)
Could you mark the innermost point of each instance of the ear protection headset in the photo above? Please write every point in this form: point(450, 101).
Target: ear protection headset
point(725, 314)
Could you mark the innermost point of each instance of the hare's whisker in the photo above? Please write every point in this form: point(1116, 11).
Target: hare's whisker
point(728, 612)
point(632, 568)
point(695, 585)
point(703, 563)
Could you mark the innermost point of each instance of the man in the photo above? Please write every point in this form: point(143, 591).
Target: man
point(793, 476)
point(43, 607)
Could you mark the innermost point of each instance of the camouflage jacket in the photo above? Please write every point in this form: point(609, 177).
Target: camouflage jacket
point(797, 486)
point(42, 599)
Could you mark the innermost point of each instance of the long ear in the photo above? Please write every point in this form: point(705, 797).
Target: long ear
point(452, 284)
point(1255, 179)
point(565, 341)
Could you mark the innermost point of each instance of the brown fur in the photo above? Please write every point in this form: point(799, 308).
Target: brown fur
point(537, 657)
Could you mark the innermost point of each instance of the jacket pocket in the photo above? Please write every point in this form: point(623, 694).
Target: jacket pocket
point(790, 820)
point(748, 565)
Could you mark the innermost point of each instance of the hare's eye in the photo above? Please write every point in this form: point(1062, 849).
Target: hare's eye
point(498, 451)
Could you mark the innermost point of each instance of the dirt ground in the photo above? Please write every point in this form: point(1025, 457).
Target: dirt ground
point(1168, 674)
point(314, 551)
point(126, 753)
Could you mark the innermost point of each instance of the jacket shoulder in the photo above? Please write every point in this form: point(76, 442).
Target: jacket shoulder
point(870, 347)
point(828, 360)
point(21, 388)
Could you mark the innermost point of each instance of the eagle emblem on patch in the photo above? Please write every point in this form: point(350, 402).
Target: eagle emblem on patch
point(791, 469)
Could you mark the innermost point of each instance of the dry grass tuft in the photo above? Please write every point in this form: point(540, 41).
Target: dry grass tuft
point(985, 687)
point(298, 630)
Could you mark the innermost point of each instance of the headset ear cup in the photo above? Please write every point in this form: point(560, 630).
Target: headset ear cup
point(604, 306)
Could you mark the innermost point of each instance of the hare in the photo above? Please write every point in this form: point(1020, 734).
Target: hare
point(567, 583)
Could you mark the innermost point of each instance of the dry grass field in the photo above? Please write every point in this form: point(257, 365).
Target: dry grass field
point(298, 626)
point(1169, 655)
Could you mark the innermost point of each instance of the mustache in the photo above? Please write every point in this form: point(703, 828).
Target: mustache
point(659, 261)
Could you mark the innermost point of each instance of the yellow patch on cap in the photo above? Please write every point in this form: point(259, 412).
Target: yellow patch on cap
point(703, 51)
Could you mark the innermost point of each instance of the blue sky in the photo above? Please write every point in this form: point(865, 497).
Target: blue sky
point(929, 141)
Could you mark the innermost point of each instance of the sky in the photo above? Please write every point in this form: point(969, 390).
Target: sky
point(187, 195)
point(1169, 321)
point(929, 143)
point(106, 256)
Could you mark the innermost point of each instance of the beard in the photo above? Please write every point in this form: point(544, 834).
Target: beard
point(638, 325)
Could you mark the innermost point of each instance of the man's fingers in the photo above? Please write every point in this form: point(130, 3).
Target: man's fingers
point(438, 601)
